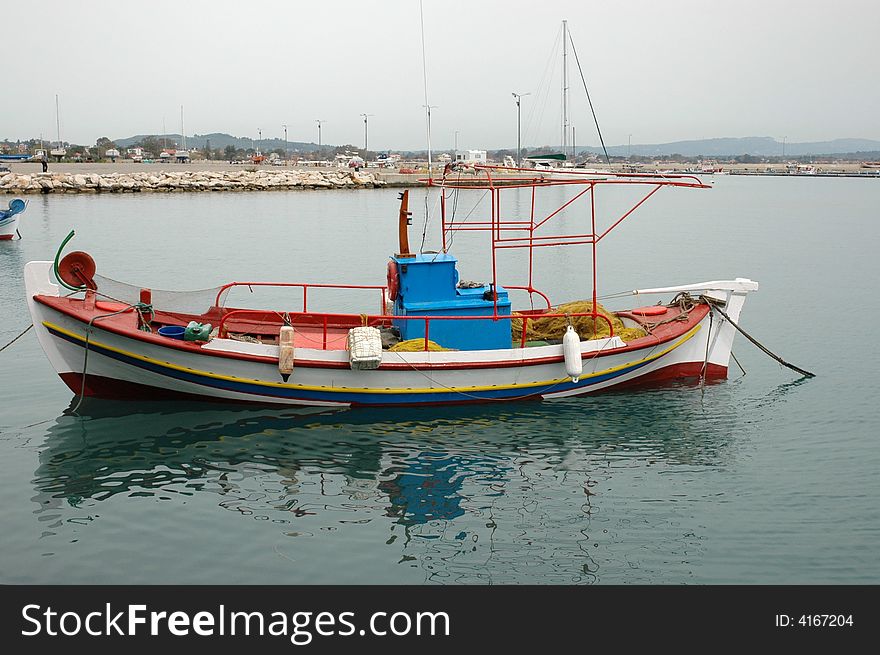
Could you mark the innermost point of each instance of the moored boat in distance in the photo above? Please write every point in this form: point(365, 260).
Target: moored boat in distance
point(426, 338)
point(9, 219)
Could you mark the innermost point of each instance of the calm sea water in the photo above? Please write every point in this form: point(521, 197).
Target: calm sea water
point(761, 479)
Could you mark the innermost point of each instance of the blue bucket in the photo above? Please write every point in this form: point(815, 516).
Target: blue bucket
point(172, 331)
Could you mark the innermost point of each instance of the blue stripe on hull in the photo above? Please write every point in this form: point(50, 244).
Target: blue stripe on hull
point(359, 398)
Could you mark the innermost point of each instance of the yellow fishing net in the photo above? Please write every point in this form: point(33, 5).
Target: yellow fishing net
point(545, 329)
point(414, 345)
point(542, 329)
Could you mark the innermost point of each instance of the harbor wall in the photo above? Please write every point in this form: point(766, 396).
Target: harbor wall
point(184, 180)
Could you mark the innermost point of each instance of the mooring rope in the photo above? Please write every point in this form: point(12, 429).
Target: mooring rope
point(82, 388)
point(708, 348)
point(737, 363)
point(713, 304)
point(685, 304)
point(24, 332)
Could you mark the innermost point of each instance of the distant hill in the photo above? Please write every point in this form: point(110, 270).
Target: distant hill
point(753, 145)
point(219, 140)
point(758, 146)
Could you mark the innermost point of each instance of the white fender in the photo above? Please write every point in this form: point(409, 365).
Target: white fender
point(571, 350)
point(285, 351)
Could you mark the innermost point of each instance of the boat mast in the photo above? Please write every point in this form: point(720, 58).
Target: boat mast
point(182, 130)
point(57, 121)
point(565, 87)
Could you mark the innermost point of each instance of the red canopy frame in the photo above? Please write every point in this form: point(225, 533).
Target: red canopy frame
point(523, 232)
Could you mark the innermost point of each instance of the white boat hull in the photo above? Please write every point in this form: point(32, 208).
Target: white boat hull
point(8, 227)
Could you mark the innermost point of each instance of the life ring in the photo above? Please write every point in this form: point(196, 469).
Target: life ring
point(393, 280)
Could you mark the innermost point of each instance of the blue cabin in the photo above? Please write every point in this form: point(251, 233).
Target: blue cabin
point(429, 287)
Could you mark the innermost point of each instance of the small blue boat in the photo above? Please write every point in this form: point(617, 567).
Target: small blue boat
point(9, 219)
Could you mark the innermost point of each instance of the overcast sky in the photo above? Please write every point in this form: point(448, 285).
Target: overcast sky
point(659, 71)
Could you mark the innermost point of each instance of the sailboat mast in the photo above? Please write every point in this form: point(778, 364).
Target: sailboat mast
point(182, 130)
point(57, 121)
point(565, 87)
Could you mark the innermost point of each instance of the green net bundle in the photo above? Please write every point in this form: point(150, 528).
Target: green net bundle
point(545, 329)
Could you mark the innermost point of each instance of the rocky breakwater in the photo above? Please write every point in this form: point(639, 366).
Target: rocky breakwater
point(168, 181)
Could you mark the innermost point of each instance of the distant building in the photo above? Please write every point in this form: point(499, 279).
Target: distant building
point(470, 157)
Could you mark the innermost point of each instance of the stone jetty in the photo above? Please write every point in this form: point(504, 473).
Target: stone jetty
point(169, 181)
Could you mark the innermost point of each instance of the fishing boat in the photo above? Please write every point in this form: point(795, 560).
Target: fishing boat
point(9, 219)
point(428, 339)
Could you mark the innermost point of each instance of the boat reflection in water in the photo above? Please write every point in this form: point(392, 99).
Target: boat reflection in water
point(528, 492)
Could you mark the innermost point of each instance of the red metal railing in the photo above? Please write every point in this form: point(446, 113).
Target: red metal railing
point(302, 285)
point(530, 290)
point(349, 320)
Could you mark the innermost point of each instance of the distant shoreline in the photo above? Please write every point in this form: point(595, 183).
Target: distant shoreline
point(128, 177)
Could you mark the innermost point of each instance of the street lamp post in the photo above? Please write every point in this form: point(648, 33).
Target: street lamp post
point(259, 140)
point(365, 132)
point(629, 143)
point(286, 153)
point(518, 97)
point(319, 121)
point(783, 146)
point(455, 141)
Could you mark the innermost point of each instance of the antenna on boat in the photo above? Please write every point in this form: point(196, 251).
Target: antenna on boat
point(425, 82)
point(428, 108)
